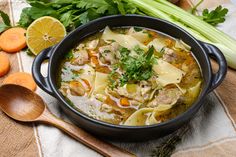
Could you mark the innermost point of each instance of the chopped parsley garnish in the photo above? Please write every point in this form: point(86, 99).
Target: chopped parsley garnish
point(136, 68)
point(138, 29)
point(113, 76)
point(148, 33)
point(138, 50)
point(69, 55)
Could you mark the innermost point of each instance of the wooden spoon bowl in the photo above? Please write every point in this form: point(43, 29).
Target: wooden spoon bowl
point(24, 105)
point(21, 104)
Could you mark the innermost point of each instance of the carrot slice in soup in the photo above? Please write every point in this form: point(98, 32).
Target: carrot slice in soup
point(92, 53)
point(124, 102)
point(13, 40)
point(22, 79)
point(95, 61)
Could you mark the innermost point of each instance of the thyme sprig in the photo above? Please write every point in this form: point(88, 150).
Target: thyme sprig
point(166, 148)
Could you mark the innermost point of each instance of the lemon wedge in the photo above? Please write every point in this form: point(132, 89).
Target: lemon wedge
point(43, 33)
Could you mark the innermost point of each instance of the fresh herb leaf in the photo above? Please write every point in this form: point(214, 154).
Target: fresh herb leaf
point(25, 19)
point(124, 53)
point(6, 22)
point(63, 1)
point(67, 19)
point(215, 16)
point(112, 79)
point(148, 33)
point(138, 29)
point(69, 55)
point(150, 53)
point(120, 6)
point(123, 80)
point(100, 5)
point(3, 27)
point(5, 18)
point(138, 50)
point(131, 9)
point(88, 16)
point(39, 12)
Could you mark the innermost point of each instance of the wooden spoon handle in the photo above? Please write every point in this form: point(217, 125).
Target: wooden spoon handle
point(101, 147)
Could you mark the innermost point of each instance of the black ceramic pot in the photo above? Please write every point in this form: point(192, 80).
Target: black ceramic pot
point(201, 51)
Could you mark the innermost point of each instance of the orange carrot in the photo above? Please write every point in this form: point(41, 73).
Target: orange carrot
point(153, 34)
point(95, 61)
point(124, 102)
point(168, 42)
point(110, 101)
point(22, 79)
point(87, 84)
point(4, 64)
point(103, 69)
point(13, 40)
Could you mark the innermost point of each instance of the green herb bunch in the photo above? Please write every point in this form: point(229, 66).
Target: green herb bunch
point(215, 16)
point(73, 13)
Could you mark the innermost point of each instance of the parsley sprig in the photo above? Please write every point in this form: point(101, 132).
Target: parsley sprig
point(215, 16)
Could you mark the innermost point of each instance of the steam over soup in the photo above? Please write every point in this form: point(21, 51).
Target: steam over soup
point(130, 76)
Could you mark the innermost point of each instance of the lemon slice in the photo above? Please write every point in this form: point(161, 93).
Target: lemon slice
point(43, 33)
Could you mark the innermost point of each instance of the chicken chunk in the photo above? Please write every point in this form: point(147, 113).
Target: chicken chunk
point(166, 96)
point(135, 96)
point(145, 89)
point(92, 45)
point(82, 57)
point(76, 88)
point(169, 55)
point(108, 53)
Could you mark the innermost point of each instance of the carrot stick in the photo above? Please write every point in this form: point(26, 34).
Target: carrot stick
point(13, 40)
point(22, 79)
point(4, 64)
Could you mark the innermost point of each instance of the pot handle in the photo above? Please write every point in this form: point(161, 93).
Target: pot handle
point(36, 70)
point(216, 54)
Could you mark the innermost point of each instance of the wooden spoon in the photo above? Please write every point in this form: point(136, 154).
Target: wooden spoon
point(24, 105)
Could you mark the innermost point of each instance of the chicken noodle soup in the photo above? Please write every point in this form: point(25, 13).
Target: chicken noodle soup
point(130, 76)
